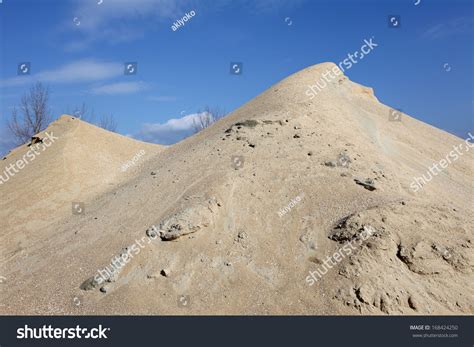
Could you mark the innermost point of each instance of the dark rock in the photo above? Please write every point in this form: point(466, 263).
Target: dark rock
point(34, 140)
point(250, 123)
point(412, 303)
point(89, 284)
point(367, 183)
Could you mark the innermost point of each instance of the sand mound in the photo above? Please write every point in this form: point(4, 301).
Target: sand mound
point(237, 217)
point(71, 162)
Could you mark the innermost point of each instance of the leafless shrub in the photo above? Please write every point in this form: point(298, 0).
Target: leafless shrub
point(33, 115)
point(108, 123)
point(88, 115)
point(207, 117)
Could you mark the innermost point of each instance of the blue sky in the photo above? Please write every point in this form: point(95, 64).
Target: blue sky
point(78, 49)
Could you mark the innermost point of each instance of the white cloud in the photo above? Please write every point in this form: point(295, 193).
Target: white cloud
point(456, 26)
point(87, 70)
point(114, 14)
point(95, 16)
point(112, 21)
point(119, 88)
point(82, 71)
point(174, 130)
point(115, 21)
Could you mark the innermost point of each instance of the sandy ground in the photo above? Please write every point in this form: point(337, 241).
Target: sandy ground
point(222, 244)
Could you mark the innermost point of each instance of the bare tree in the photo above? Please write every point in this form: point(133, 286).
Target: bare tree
point(206, 118)
point(108, 123)
point(88, 115)
point(33, 115)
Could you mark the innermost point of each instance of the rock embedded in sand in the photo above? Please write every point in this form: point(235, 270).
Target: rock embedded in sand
point(412, 303)
point(152, 232)
point(89, 284)
point(242, 235)
point(250, 123)
point(189, 220)
point(367, 183)
point(343, 160)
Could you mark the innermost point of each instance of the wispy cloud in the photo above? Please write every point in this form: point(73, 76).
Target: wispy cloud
point(174, 130)
point(75, 72)
point(119, 88)
point(456, 26)
point(95, 16)
point(112, 21)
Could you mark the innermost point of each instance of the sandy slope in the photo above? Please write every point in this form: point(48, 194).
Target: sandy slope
point(222, 242)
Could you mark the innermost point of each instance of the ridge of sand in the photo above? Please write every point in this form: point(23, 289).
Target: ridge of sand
point(225, 248)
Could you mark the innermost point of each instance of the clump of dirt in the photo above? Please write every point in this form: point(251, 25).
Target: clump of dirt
point(400, 271)
point(189, 220)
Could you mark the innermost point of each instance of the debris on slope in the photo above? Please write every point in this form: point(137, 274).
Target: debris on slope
point(108, 274)
point(187, 221)
point(35, 140)
point(402, 270)
point(368, 183)
point(348, 230)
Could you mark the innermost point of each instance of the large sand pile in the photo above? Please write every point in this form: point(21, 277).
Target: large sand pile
point(243, 212)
